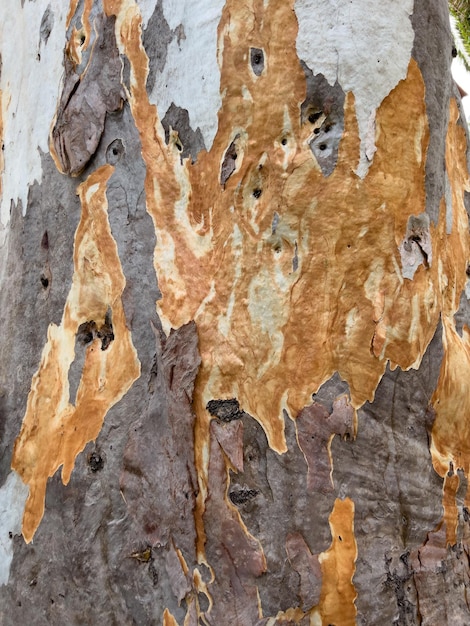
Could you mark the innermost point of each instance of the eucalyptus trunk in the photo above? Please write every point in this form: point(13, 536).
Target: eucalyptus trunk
point(234, 365)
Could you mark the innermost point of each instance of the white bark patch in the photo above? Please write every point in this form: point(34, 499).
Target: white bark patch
point(13, 494)
point(30, 81)
point(191, 76)
point(365, 46)
point(146, 10)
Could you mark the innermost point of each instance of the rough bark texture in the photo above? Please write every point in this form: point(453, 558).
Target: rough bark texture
point(235, 360)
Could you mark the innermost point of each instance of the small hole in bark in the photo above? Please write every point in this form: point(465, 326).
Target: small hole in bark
point(95, 461)
point(257, 61)
point(340, 538)
point(45, 241)
point(105, 333)
point(86, 332)
point(284, 141)
point(454, 52)
point(323, 146)
point(10, 534)
point(82, 40)
point(327, 128)
point(257, 193)
point(468, 270)
point(44, 281)
point(316, 131)
point(313, 117)
point(114, 151)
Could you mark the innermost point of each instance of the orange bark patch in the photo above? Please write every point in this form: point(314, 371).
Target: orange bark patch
point(168, 619)
point(291, 275)
point(451, 513)
point(54, 431)
point(451, 400)
point(338, 567)
point(270, 334)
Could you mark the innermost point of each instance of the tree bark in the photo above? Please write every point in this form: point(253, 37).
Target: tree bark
point(234, 251)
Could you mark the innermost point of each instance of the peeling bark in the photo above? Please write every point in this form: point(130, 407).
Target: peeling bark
point(234, 298)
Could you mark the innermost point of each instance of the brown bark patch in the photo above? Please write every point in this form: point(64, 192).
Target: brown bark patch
point(315, 431)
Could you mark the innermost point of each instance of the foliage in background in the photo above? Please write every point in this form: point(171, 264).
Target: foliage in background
point(460, 11)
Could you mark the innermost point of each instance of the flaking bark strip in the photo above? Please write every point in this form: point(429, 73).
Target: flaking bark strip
point(229, 164)
point(315, 429)
point(86, 99)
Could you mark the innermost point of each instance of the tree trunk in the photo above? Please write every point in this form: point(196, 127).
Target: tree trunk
point(234, 376)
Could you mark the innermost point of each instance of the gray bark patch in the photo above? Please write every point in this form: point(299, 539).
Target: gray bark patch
point(323, 110)
point(47, 24)
point(192, 142)
point(416, 248)
point(433, 52)
point(229, 163)
point(156, 39)
point(257, 61)
point(388, 472)
point(86, 99)
point(275, 502)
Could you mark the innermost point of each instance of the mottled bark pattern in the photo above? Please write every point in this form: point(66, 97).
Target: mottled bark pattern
point(234, 384)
